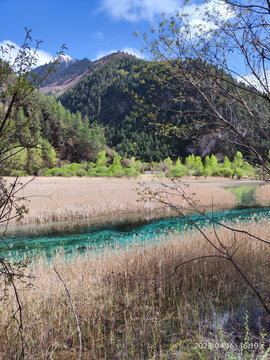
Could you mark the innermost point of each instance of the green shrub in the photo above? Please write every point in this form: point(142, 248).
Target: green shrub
point(102, 174)
point(91, 172)
point(64, 172)
point(131, 172)
point(226, 163)
point(81, 172)
point(168, 162)
point(101, 158)
point(178, 162)
point(211, 166)
point(178, 171)
point(126, 162)
point(227, 172)
point(249, 170)
point(207, 162)
point(119, 173)
point(133, 168)
point(217, 172)
point(239, 173)
point(59, 172)
point(213, 162)
point(74, 166)
point(116, 165)
point(109, 173)
point(101, 169)
point(198, 172)
point(238, 160)
point(190, 161)
point(207, 171)
point(110, 154)
point(17, 173)
point(153, 165)
point(53, 172)
point(198, 166)
point(139, 165)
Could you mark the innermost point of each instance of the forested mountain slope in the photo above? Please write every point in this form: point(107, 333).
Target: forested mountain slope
point(111, 96)
point(51, 135)
point(140, 117)
point(105, 96)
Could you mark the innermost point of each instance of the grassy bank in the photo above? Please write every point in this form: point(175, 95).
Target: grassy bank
point(130, 308)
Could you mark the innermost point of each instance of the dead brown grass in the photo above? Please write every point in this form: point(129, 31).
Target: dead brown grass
point(61, 199)
point(124, 314)
point(263, 195)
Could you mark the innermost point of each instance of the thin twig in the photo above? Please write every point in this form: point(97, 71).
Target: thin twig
point(74, 311)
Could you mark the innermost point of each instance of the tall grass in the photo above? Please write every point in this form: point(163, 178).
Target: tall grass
point(65, 199)
point(263, 195)
point(129, 307)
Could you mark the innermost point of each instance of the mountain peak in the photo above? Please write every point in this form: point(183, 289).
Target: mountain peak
point(64, 58)
point(70, 71)
point(107, 58)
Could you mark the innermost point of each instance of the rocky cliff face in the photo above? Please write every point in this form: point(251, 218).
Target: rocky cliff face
point(68, 72)
point(71, 71)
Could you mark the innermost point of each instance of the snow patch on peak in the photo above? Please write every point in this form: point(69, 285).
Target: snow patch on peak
point(63, 58)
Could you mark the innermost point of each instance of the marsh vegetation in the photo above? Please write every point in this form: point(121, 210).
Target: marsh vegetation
point(132, 304)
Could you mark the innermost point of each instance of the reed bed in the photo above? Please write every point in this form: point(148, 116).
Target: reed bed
point(263, 195)
point(129, 307)
point(67, 199)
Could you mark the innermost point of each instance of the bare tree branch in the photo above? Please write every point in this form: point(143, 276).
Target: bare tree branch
point(74, 312)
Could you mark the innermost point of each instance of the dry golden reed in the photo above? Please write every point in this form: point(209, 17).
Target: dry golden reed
point(64, 199)
point(263, 195)
point(127, 304)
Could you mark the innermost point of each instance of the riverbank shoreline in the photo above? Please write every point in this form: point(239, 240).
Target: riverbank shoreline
point(59, 204)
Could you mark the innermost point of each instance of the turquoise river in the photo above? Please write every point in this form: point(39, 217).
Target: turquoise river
point(93, 239)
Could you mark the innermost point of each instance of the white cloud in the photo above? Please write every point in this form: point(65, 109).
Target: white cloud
point(43, 57)
point(104, 53)
point(261, 85)
point(135, 10)
point(129, 50)
point(133, 51)
point(201, 15)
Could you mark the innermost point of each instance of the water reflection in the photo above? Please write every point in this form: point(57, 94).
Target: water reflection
point(245, 195)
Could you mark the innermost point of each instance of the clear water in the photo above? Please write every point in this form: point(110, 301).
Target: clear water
point(245, 195)
point(94, 240)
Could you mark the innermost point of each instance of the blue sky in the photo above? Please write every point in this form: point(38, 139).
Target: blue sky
point(89, 28)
